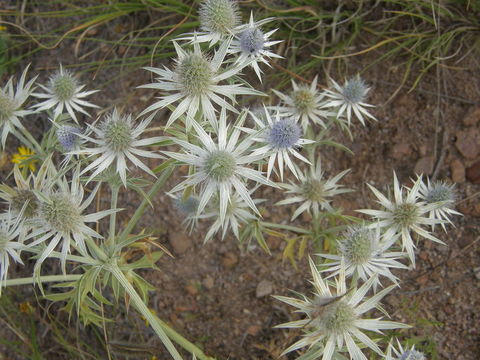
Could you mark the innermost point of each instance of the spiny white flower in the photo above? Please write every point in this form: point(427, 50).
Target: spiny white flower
point(280, 138)
point(219, 167)
point(10, 246)
point(11, 104)
point(364, 254)
point(350, 97)
point(252, 44)
point(63, 91)
point(304, 103)
point(313, 190)
point(60, 218)
point(404, 214)
point(443, 195)
point(116, 140)
point(219, 20)
point(403, 354)
point(334, 319)
point(195, 82)
point(238, 213)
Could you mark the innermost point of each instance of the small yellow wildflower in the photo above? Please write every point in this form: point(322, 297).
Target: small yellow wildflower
point(24, 158)
point(26, 308)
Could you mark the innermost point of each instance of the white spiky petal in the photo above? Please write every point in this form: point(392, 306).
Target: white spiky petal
point(219, 167)
point(404, 214)
point(10, 246)
point(72, 98)
point(334, 319)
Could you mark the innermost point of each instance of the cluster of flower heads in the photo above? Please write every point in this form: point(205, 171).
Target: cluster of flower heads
point(230, 153)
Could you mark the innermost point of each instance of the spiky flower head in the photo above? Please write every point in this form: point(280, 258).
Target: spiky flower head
point(403, 354)
point(441, 194)
point(404, 214)
point(68, 136)
point(313, 190)
point(116, 140)
point(12, 104)
point(219, 167)
point(334, 317)
point(187, 208)
point(364, 254)
point(350, 98)
point(279, 137)
point(60, 218)
point(219, 17)
point(252, 44)
point(304, 104)
point(64, 92)
point(238, 214)
point(195, 83)
point(10, 246)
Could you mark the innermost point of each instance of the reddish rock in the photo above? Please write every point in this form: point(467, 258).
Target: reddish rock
point(468, 142)
point(458, 171)
point(180, 242)
point(229, 260)
point(472, 117)
point(473, 173)
point(400, 151)
point(424, 165)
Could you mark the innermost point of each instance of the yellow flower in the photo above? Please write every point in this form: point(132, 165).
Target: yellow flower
point(24, 158)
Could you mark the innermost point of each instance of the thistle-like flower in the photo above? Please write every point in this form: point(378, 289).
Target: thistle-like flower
point(403, 354)
point(252, 45)
point(280, 137)
point(304, 103)
point(313, 190)
point(219, 167)
point(59, 218)
point(64, 91)
point(404, 214)
point(116, 140)
point(10, 246)
point(238, 213)
point(364, 254)
point(350, 97)
point(195, 82)
point(335, 319)
point(11, 104)
point(68, 137)
point(188, 209)
point(443, 195)
point(219, 20)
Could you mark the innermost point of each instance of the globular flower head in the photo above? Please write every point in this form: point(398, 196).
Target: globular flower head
point(64, 92)
point(187, 207)
point(404, 214)
point(304, 104)
point(12, 104)
point(68, 136)
point(364, 254)
point(350, 98)
point(219, 17)
point(441, 194)
point(252, 44)
point(195, 83)
point(403, 354)
point(333, 317)
point(116, 140)
point(313, 191)
point(279, 137)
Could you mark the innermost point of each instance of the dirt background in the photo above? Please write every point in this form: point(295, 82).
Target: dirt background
point(218, 294)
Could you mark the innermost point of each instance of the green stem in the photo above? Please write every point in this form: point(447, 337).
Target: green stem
point(164, 332)
point(113, 216)
point(141, 209)
point(43, 279)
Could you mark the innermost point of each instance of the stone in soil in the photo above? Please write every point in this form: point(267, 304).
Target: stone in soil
point(458, 171)
point(264, 288)
point(472, 117)
point(180, 242)
point(424, 165)
point(468, 142)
